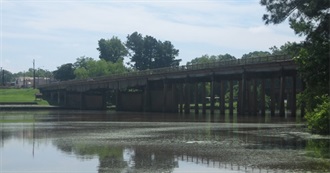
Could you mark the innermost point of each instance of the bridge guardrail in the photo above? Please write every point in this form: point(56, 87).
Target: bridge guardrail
point(215, 64)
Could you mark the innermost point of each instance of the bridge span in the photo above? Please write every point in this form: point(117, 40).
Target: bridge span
point(248, 86)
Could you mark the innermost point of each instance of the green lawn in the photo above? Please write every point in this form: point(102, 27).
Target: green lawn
point(19, 95)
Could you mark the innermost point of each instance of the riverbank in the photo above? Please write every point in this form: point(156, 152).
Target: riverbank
point(14, 106)
point(21, 96)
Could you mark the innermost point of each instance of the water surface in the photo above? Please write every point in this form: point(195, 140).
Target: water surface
point(97, 141)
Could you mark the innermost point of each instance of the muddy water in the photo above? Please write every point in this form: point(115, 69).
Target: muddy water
point(92, 141)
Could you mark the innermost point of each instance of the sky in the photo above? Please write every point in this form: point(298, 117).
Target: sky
point(56, 32)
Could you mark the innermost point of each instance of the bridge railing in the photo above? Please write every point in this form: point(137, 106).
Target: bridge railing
point(167, 70)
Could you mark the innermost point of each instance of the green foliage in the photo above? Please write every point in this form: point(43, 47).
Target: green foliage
point(149, 53)
point(311, 19)
point(64, 72)
point(211, 59)
point(92, 68)
point(319, 119)
point(112, 50)
point(255, 54)
point(6, 76)
point(319, 149)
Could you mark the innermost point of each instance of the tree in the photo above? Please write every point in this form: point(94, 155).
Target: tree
point(5, 77)
point(256, 54)
point(111, 50)
point(64, 72)
point(149, 53)
point(307, 18)
point(211, 59)
point(91, 68)
point(82, 62)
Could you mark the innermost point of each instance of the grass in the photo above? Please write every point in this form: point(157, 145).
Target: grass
point(20, 96)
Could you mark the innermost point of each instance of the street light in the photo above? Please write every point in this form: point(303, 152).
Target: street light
point(34, 75)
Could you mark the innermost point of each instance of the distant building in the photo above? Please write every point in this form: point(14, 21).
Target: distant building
point(27, 82)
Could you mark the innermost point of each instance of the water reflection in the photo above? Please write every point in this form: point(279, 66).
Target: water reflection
point(107, 142)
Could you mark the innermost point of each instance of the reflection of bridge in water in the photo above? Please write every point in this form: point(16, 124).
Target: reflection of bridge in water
point(248, 86)
point(230, 166)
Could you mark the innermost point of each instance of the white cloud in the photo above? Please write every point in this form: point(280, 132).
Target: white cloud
point(71, 28)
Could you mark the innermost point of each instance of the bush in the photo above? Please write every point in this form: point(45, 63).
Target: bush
point(318, 120)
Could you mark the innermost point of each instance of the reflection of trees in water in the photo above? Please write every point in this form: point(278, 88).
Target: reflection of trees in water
point(153, 160)
point(109, 156)
point(112, 159)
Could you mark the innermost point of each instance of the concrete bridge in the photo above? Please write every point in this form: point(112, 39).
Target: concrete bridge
point(242, 85)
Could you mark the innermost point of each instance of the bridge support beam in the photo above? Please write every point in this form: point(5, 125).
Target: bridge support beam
point(272, 97)
point(262, 98)
point(282, 92)
point(146, 98)
point(203, 98)
point(231, 98)
point(196, 98)
point(255, 97)
point(187, 98)
point(212, 99)
point(181, 99)
point(222, 98)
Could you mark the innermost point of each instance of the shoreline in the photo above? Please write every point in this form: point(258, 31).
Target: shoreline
point(27, 107)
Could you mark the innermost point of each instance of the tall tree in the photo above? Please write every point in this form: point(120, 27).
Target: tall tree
point(309, 18)
point(64, 72)
point(5, 77)
point(92, 68)
point(256, 54)
point(149, 53)
point(111, 50)
point(211, 59)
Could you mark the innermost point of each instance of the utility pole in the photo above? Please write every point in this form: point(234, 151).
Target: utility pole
point(2, 77)
point(34, 75)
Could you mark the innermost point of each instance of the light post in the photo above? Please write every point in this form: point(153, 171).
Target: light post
point(34, 75)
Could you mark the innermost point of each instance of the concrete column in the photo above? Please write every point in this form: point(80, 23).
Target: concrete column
point(187, 98)
point(196, 98)
point(203, 98)
point(262, 98)
point(118, 107)
point(247, 106)
point(175, 98)
point(82, 100)
point(222, 98)
point(303, 104)
point(104, 100)
point(164, 95)
point(231, 98)
point(272, 97)
point(146, 98)
point(181, 99)
point(294, 100)
point(212, 99)
point(243, 95)
point(239, 97)
point(58, 97)
point(281, 100)
point(255, 97)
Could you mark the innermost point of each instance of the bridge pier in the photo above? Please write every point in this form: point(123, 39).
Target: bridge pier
point(222, 97)
point(196, 98)
point(231, 98)
point(203, 98)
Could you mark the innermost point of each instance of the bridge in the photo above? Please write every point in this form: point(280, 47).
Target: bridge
point(248, 86)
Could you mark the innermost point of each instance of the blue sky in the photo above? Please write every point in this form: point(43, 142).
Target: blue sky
point(55, 32)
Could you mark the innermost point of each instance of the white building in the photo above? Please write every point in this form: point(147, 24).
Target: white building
point(27, 82)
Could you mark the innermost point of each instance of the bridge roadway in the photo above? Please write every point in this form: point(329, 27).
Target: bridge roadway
point(247, 82)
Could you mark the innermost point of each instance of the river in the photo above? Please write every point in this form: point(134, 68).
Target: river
point(60, 141)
